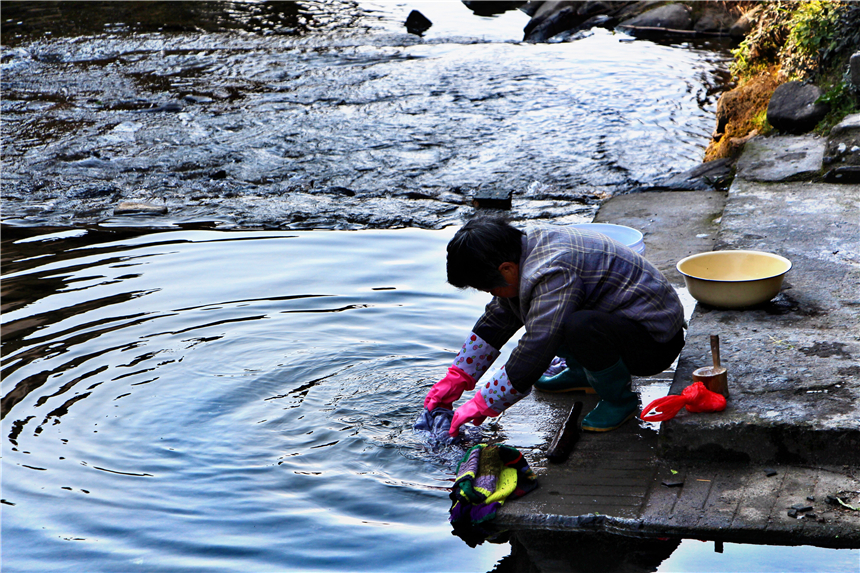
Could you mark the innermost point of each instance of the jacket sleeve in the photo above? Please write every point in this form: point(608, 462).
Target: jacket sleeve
point(498, 323)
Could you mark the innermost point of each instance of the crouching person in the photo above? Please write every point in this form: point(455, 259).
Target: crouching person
point(579, 295)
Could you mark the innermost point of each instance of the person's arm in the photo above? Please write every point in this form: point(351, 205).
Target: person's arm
point(553, 298)
point(476, 355)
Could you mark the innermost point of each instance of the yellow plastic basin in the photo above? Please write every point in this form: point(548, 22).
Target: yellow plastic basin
point(734, 279)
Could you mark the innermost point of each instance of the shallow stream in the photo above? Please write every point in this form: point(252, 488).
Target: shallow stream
point(330, 115)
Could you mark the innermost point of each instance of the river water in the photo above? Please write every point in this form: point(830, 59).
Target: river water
point(178, 397)
point(330, 115)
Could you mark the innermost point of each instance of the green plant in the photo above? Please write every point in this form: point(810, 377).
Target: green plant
point(842, 102)
point(761, 124)
point(811, 31)
point(760, 49)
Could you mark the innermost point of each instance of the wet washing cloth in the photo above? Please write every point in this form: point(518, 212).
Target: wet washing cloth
point(436, 423)
point(487, 476)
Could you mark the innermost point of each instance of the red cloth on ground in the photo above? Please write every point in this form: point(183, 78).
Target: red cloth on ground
point(696, 397)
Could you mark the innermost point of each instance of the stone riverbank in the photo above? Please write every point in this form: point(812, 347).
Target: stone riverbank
point(781, 465)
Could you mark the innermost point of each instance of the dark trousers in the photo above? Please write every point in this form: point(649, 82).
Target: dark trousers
point(598, 340)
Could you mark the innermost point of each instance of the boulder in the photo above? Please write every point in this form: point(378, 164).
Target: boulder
point(671, 17)
point(854, 67)
point(741, 27)
point(530, 8)
point(714, 21)
point(793, 108)
point(491, 7)
point(564, 20)
point(551, 18)
point(781, 158)
point(704, 177)
point(417, 23)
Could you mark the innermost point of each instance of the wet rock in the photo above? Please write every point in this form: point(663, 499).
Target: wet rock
point(741, 27)
point(599, 21)
point(854, 70)
point(787, 158)
point(170, 107)
point(842, 152)
point(492, 199)
point(491, 7)
point(669, 17)
point(710, 175)
point(197, 99)
point(714, 21)
point(139, 208)
point(793, 108)
point(542, 29)
point(220, 174)
point(417, 23)
point(673, 483)
point(93, 192)
point(792, 513)
point(770, 472)
point(845, 174)
point(530, 8)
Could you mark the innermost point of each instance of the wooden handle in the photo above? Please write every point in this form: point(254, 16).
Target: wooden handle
point(715, 349)
point(567, 436)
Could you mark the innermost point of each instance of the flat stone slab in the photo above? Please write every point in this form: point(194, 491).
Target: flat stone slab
point(783, 358)
point(794, 378)
point(782, 158)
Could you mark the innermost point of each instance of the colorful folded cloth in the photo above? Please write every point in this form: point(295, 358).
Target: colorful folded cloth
point(488, 476)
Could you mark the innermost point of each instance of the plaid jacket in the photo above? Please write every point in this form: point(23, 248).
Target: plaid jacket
point(563, 270)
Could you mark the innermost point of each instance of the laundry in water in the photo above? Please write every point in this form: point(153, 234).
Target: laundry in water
point(436, 423)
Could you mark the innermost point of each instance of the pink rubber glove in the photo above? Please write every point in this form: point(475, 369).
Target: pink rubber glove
point(475, 411)
point(449, 389)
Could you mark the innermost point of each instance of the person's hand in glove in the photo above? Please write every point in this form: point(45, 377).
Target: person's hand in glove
point(449, 389)
point(475, 411)
point(491, 399)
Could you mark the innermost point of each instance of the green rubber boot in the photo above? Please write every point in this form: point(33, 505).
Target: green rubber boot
point(618, 403)
point(571, 379)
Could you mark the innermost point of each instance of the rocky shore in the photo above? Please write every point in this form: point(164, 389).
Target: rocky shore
point(789, 106)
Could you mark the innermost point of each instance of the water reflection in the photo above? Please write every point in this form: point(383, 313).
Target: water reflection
point(25, 20)
point(247, 387)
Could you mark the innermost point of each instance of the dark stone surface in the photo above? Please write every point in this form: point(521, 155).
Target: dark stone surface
point(671, 16)
point(714, 21)
point(715, 174)
point(793, 108)
point(492, 199)
point(417, 23)
point(846, 174)
point(843, 149)
point(854, 66)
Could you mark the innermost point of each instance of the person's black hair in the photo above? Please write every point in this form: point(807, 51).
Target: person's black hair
point(478, 249)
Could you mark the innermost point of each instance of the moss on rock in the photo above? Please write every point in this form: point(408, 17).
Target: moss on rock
point(806, 41)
